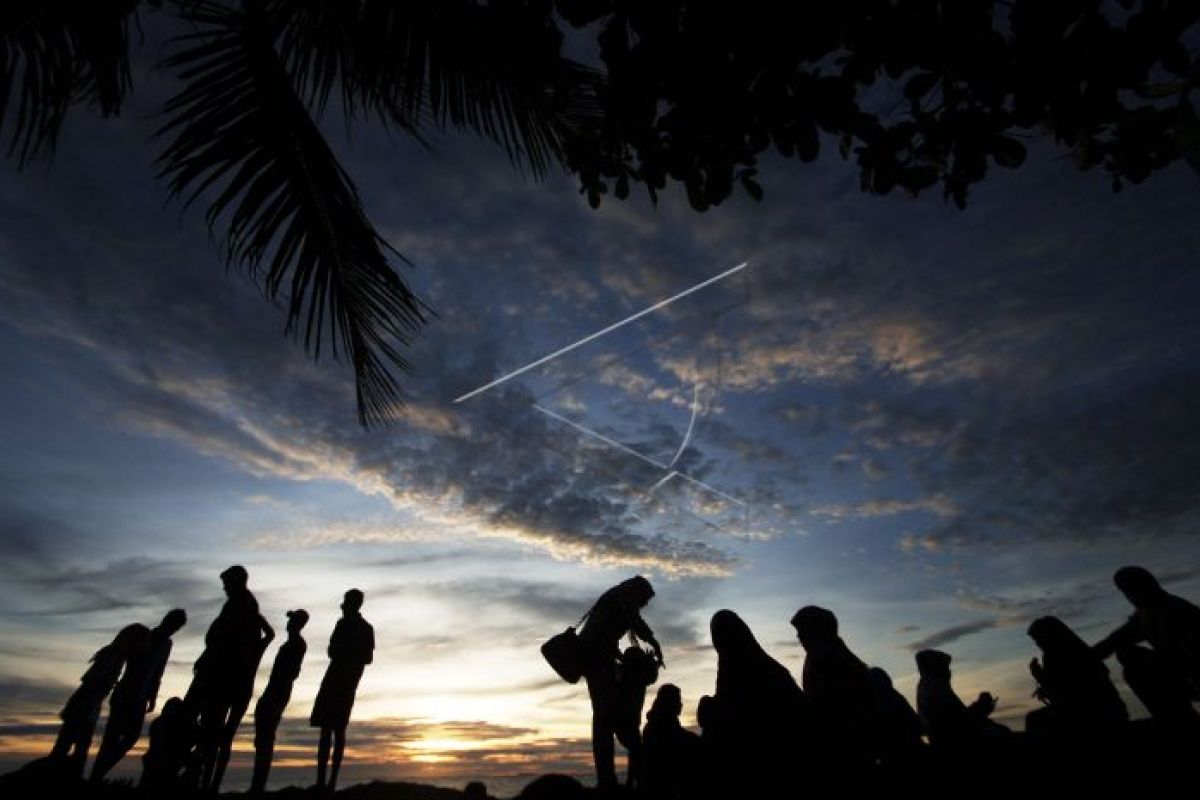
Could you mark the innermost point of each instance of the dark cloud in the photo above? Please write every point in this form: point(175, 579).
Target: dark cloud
point(952, 634)
point(146, 585)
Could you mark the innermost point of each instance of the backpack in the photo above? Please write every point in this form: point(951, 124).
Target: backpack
point(564, 653)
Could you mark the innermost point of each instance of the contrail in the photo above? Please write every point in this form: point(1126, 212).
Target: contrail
point(660, 304)
point(612, 442)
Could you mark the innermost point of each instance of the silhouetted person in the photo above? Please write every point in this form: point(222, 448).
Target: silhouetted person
point(670, 752)
point(949, 722)
point(1162, 690)
point(637, 671)
point(616, 613)
point(351, 648)
point(80, 714)
point(896, 728)
point(836, 681)
point(223, 678)
point(269, 711)
point(172, 737)
point(1073, 682)
point(758, 722)
point(1170, 624)
point(135, 694)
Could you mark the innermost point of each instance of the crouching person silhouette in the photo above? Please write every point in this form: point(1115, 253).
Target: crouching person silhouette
point(615, 614)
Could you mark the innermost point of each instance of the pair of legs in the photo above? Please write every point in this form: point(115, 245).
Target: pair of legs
point(73, 742)
point(121, 732)
point(607, 722)
point(338, 737)
point(265, 726)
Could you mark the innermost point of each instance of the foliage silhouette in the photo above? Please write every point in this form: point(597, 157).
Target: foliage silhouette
point(918, 94)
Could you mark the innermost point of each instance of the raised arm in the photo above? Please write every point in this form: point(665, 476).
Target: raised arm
point(1128, 634)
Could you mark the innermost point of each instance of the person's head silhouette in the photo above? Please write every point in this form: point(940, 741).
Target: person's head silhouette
point(639, 590)
point(352, 601)
point(933, 664)
point(234, 579)
point(296, 620)
point(815, 625)
point(173, 621)
point(668, 702)
point(1137, 584)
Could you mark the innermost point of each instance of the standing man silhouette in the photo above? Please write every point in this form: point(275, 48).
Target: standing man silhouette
point(224, 673)
point(351, 648)
point(615, 614)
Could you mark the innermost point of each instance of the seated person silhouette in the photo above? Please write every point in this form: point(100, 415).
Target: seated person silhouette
point(950, 724)
point(836, 681)
point(1168, 623)
point(896, 729)
point(757, 724)
point(82, 711)
point(1073, 682)
point(670, 752)
point(172, 737)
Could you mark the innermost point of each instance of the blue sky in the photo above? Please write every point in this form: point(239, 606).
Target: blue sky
point(942, 424)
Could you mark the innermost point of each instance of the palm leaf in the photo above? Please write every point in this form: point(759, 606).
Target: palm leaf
point(494, 69)
point(55, 54)
point(242, 137)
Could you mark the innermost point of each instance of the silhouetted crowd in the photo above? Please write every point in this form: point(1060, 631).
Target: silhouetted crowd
point(845, 727)
point(192, 737)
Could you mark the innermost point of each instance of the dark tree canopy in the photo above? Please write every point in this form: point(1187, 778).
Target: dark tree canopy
point(916, 93)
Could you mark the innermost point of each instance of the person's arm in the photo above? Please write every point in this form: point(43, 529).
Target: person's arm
point(642, 631)
point(369, 645)
point(157, 670)
point(1128, 634)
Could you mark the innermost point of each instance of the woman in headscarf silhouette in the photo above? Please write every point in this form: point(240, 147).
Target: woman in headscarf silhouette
point(616, 614)
point(757, 721)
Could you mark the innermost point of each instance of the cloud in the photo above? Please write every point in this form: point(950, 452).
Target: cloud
point(952, 634)
point(937, 505)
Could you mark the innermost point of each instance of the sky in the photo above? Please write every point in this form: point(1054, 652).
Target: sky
point(940, 424)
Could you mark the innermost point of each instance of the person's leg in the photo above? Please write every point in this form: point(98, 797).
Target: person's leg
point(602, 690)
point(264, 751)
point(82, 742)
point(339, 747)
point(66, 735)
point(229, 731)
point(323, 755)
point(121, 732)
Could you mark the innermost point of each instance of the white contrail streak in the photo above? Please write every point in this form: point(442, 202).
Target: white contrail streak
point(612, 442)
point(687, 435)
point(596, 435)
point(660, 304)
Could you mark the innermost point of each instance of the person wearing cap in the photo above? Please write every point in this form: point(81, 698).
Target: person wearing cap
point(1167, 622)
point(268, 712)
point(136, 694)
point(615, 614)
point(351, 648)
